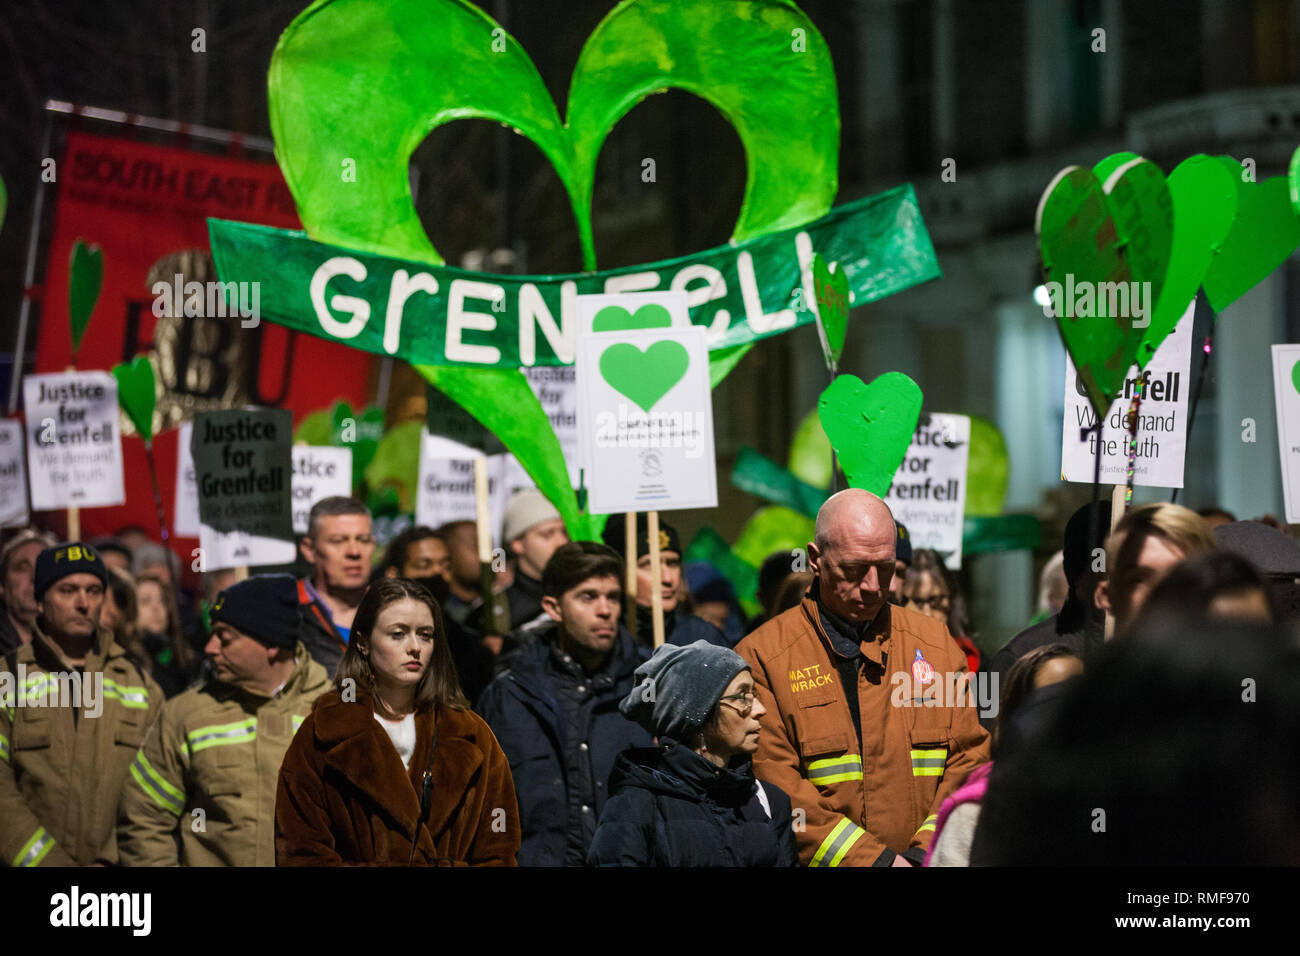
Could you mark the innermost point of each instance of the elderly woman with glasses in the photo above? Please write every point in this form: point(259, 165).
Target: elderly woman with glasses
point(693, 800)
point(929, 587)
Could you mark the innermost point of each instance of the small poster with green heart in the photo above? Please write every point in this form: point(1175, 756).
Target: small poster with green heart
point(645, 419)
point(1286, 393)
point(624, 311)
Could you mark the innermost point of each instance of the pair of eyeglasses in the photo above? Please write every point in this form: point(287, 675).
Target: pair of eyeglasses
point(937, 601)
point(744, 702)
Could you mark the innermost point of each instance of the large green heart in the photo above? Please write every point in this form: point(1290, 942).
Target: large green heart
point(870, 426)
point(85, 278)
point(615, 318)
point(1092, 234)
point(136, 393)
point(357, 85)
point(644, 376)
point(1264, 233)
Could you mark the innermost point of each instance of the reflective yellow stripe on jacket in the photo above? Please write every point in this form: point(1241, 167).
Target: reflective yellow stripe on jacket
point(4, 748)
point(928, 825)
point(155, 786)
point(35, 849)
point(837, 843)
point(134, 698)
point(929, 763)
point(240, 732)
point(835, 770)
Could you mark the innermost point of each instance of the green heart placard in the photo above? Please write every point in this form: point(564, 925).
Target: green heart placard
point(136, 393)
point(615, 318)
point(1264, 233)
point(832, 290)
point(85, 278)
point(870, 426)
point(355, 86)
point(644, 375)
point(1295, 377)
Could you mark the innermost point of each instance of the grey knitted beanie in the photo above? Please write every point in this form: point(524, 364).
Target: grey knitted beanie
point(677, 689)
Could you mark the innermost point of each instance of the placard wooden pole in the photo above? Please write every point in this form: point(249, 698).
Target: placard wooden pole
point(482, 518)
point(656, 578)
point(74, 511)
point(629, 578)
point(241, 573)
point(1117, 497)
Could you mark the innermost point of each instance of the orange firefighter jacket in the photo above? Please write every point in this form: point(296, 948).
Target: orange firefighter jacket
point(863, 804)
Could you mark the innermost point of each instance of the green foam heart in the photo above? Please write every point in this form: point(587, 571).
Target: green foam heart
point(870, 426)
point(1204, 195)
point(1295, 376)
point(987, 469)
point(357, 84)
point(1090, 238)
point(809, 457)
point(644, 376)
point(85, 278)
point(1264, 233)
point(615, 318)
point(136, 393)
point(831, 286)
point(396, 465)
point(772, 529)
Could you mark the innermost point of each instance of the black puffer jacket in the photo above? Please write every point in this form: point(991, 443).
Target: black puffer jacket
point(669, 806)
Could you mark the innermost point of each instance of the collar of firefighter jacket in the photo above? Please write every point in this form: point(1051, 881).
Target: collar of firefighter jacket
point(297, 681)
point(47, 653)
point(849, 640)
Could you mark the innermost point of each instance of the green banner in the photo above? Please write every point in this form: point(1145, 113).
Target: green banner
point(438, 315)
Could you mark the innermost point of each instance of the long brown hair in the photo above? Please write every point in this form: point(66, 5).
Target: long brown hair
point(182, 653)
point(438, 685)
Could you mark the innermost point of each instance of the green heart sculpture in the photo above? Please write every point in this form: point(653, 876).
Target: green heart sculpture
point(85, 278)
point(136, 393)
point(1090, 234)
point(832, 291)
point(644, 375)
point(615, 318)
point(1264, 233)
point(870, 426)
point(355, 86)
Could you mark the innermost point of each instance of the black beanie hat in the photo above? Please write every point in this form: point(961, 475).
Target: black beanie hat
point(1076, 555)
point(615, 535)
point(903, 546)
point(265, 607)
point(70, 557)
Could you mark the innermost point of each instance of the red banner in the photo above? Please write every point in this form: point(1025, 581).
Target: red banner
point(146, 207)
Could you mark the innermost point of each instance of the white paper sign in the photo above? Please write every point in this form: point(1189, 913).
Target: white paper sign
point(13, 476)
point(74, 449)
point(1162, 420)
point(319, 471)
point(185, 508)
point(645, 420)
point(929, 490)
point(446, 489)
point(1286, 393)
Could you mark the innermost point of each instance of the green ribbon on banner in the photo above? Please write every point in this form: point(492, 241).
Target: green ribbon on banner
point(985, 534)
point(439, 315)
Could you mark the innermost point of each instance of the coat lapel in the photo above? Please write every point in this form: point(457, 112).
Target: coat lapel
point(356, 746)
point(455, 766)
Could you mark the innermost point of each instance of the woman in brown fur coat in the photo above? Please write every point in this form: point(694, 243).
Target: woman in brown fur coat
point(392, 767)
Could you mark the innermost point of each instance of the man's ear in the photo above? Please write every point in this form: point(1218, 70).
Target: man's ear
point(516, 546)
point(814, 559)
point(307, 550)
point(552, 608)
point(1101, 597)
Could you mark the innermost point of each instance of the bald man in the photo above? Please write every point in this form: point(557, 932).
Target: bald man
point(870, 724)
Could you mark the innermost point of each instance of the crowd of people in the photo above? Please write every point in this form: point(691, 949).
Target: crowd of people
point(389, 709)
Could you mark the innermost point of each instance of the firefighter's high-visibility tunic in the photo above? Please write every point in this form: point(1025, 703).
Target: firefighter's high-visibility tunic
point(210, 766)
point(863, 803)
point(62, 766)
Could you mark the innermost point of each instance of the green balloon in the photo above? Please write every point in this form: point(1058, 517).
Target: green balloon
point(772, 529)
point(396, 464)
point(136, 393)
point(810, 452)
point(871, 426)
point(355, 86)
point(315, 428)
point(987, 469)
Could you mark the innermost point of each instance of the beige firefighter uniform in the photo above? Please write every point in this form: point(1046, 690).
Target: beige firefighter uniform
point(209, 767)
point(66, 742)
point(918, 740)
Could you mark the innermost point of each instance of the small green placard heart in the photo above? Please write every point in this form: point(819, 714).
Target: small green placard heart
point(832, 289)
point(615, 318)
point(644, 376)
point(1265, 232)
point(870, 426)
point(135, 393)
point(1295, 376)
point(85, 277)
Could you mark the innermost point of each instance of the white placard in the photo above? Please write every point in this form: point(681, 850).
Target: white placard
point(185, 507)
point(319, 471)
point(1162, 420)
point(929, 489)
point(648, 447)
point(633, 302)
point(446, 489)
point(13, 476)
point(74, 449)
point(1286, 393)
